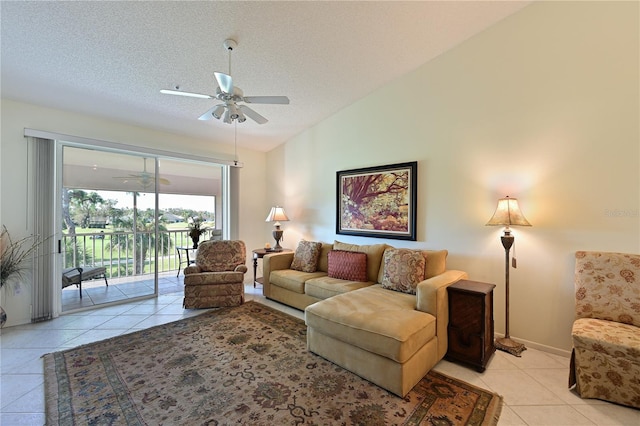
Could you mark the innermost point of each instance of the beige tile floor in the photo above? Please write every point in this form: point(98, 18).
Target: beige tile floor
point(533, 386)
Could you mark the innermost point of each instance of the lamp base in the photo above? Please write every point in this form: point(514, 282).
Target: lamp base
point(277, 235)
point(508, 345)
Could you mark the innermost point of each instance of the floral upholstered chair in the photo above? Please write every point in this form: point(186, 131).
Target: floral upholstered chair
point(217, 277)
point(605, 362)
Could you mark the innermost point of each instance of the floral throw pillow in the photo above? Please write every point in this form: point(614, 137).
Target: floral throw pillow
point(347, 265)
point(305, 259)
point(403, 270)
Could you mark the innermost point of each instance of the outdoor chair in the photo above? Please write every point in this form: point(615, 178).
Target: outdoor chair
point(217, 277)
point(71, 276)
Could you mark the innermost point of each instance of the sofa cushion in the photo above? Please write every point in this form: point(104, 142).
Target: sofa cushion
point(323, 261)
point(403, 270)
point(292, 280)
point(611, 338)
point(347, 265)
point(356, 317)
point(325, 287)
point(374, 256)
point(305, 258)
point(436, 262)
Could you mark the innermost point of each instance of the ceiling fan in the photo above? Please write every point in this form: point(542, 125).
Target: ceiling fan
point(229, 95)
point(144, 178)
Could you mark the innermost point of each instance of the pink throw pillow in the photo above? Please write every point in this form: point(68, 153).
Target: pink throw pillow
point(348, 265)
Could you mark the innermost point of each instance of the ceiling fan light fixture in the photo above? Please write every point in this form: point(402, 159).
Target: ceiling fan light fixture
point(217, 113)
point(227, 117)
point(233, 111)
point(241, 118)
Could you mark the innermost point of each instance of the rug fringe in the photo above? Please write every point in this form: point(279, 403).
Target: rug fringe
point(494, 412)
point(50, 389)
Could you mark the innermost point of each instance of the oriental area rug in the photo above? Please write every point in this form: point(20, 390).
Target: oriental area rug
point(245, 365)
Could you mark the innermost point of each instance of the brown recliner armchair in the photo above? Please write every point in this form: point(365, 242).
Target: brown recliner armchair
point(217, 277)
point(605, 362)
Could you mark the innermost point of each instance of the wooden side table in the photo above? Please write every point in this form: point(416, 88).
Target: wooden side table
point(470, 329)
point(259, 254)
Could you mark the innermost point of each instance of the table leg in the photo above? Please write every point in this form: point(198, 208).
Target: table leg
point(255, 269)
point(179, 262)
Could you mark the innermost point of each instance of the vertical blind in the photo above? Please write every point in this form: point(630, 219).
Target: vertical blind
point(43, 228)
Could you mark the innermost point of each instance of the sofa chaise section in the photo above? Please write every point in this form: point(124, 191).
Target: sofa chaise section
point(389, 338)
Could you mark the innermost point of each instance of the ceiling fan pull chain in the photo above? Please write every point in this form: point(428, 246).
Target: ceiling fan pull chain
point(235, 142)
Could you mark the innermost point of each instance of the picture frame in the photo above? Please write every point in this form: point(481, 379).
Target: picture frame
point(378, 202)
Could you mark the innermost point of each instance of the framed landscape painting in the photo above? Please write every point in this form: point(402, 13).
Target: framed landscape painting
point(378, 201)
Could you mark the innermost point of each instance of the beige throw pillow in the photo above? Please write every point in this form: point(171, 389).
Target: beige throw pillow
point(403, 270)
point(305, 259)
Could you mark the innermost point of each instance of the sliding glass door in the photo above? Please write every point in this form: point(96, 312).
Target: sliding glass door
point(125, 222)
point(109, 227)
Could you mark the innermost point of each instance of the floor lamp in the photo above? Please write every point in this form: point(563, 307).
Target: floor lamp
point(508, 213)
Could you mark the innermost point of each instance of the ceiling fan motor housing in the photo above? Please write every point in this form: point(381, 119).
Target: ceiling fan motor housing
point(230, 44)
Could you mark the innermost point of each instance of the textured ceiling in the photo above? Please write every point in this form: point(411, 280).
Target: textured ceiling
point(110, 59)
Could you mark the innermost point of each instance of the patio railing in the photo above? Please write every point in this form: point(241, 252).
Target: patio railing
point(127, 254)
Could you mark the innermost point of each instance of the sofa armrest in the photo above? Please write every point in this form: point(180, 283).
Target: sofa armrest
point(431, 297)
point(430, 293)
point(274, 262)
point(241, 268)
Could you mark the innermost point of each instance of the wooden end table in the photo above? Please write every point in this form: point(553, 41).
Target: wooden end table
point(259, 254)
point(470, 330)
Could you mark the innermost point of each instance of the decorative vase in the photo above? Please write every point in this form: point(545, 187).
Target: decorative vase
point(3, 317)
point(195, 237)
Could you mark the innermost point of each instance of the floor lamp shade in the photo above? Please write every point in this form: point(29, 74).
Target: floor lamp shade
point(277, 215)
point(508, 213)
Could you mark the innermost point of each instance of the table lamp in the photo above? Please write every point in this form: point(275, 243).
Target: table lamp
point(508, 213)
point(277, 215)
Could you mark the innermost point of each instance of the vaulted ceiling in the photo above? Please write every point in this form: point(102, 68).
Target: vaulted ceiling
point(110, 59)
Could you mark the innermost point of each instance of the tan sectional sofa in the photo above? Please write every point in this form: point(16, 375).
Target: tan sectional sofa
point(390, 338)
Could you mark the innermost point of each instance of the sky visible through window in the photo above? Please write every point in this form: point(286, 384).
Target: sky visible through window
point(166, 201)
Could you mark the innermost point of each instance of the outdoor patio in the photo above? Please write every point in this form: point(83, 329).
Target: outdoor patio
point(95, 292)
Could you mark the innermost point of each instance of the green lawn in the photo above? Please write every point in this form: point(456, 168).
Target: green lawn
point(99, 250)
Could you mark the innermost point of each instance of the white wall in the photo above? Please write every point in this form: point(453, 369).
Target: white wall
point(14, 197)
point(542, 107)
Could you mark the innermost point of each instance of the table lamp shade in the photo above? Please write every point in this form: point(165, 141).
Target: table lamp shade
point(277, 214)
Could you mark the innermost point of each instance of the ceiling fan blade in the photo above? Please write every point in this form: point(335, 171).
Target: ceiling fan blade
point(224, 82)
point(209, 114)
point(282, 100)
point(187, 94)
point(252, 114)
